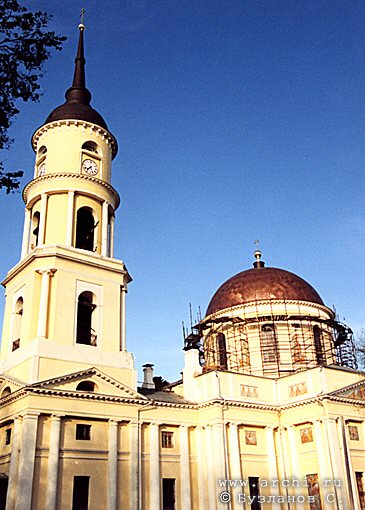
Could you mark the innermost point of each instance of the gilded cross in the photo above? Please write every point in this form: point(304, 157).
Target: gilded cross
point(82, 15)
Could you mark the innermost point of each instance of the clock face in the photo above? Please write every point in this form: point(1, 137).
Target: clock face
point(90, 167)
point(41, 169)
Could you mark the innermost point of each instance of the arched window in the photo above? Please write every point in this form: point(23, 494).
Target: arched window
point(85, 229)
point(6, 391)
point(86, 386)
point(268, 344)
point(42, 150)
point(17, 323)
point(90, 147)
point(41, 161)
point(34, 236)
point(221, 351)
point(85, 334)
point(297, 349)
point(318, 345)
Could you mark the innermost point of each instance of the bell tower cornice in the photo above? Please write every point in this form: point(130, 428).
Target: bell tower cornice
point(104, 134)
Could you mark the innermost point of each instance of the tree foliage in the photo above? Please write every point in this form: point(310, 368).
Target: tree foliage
point(25, 45)
point(360, 349)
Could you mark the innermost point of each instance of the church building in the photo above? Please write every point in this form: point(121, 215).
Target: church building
point(270, 410)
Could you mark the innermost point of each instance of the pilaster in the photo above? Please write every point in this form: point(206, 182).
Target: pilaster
point(53, 462)
point(26, 462)
point(113, 465)
point(154, 467)
point(185, 468)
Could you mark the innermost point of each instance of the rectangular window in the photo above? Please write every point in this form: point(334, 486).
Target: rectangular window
point(7, 436)
point(167, 440)
point(253, 482)
point(80, 496)
point(313, 491)
point(83, 432)
point(360, 488)
point(168, 493)
point(16, 345)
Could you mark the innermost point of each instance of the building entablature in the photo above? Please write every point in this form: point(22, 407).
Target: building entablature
point(47, 256)
point(63, 182)
point(268, 310)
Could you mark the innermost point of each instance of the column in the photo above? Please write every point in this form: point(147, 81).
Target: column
point(336, 461)
point(202, 465)
point(234, 463)
point(26, 229)
point(43, 302)
point(211, 478)
point(350, 472)
point(154, 467)
point(104, 230)
point(43, 216)
point(70, 217)
point(53, 458)
point(113, 465)
point(272, 464)
point(185, 468)
point(294, 459)
point(218, 448)
point(111, 236)
point(123, 292)
point(323, 458)
point(26, 462)
point(134, 463)
point(14, 464)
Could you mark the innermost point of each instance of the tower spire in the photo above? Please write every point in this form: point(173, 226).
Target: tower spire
point(78, 92)
point(78, 97)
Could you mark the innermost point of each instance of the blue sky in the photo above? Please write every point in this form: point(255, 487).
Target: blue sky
point(236, 120)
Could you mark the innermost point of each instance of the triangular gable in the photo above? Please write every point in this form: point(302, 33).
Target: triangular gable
point(105, 385)
point(355, 391)
point(14, 384)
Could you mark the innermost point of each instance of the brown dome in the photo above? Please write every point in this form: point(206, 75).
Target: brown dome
point(261, 284)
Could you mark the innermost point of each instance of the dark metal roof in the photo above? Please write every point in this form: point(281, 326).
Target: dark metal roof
point(262, 283)
point(163, 396)
point(78, 97)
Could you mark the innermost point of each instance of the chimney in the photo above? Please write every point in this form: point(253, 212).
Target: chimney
point(148, 377)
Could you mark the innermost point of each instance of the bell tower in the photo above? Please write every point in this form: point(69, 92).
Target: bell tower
point(65, 299)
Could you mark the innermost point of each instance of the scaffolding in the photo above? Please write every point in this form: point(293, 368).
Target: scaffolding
point(272, 345)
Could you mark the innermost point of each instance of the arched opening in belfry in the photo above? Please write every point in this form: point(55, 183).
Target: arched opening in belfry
point(90, 147)
point(85, 229)
point(34, 235)
point(85, 334)
point(17, 323)
point(318, 345)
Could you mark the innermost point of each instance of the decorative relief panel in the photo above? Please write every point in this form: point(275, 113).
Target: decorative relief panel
point(306, 435)
point(298, 389)
point(249, 391)
point(250, 437)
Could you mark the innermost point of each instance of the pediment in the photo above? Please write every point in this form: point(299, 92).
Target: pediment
point(9, 385)
point(104, 384)
point(353, 391)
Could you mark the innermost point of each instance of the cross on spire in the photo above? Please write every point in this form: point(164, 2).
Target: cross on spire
point(82, 15)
